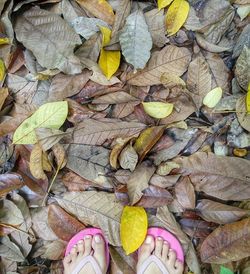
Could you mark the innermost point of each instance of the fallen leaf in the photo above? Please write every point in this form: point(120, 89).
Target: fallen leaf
point(2, 70)
point(128, 157)
point(242, 69)
point(170, 59)
point(242, 113)
point(220, 246)
point(176, 16)
point(185, 194)
point(59, 39)
point(93, 132)
point(10, 214)
point(135, 40)
point(163, 3)
point(147, 139)
point(170, 80)
point(165, 168)
point(50, 115)
point(98, 209)
point(133, 229)
point(3, 95)
point(219, 213)
point(64, 225)
point(36, 163)
point(60, 155)
point(100, 9)
point(248, 99)
point(242, 40)
point(117, 97)
point(158, 110)
point(213, 97)
point(9, 182)
point(154, 197)
point(10, 251)
point(226, 178)
point(53, 250)
point(138, 181)
point(90, 162)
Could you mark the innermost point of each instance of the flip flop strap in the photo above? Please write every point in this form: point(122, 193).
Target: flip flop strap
point(92, 261)
point(148, 261)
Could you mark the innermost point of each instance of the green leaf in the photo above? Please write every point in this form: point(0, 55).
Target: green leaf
point(224, 270)
point(50, 115)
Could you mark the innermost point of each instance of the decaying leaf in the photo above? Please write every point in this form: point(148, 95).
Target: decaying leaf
point(128, 157)
point(10, 251)
point(3, 95)
point(185, 194)
point(36, 163)
point(242, 112)
point(242, 69)
point(133, 230)
point(9, 182)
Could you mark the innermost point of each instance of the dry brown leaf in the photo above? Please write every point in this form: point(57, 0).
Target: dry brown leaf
point(98, 209)
point(242, 69)
point(60, 155)
point(117, 97)
point(128, 157)
point(170, 59)
point(219, 213)
point(4, 92)
point(199, 80)
point(123, 110)
point(9, 182)
point(138, 181)
point(227, 243)
point(226, 178)
point(64, 225)
point(100, 9)
point(185, 194)
point(242, 115)
point(93, 132)
point(36, 162)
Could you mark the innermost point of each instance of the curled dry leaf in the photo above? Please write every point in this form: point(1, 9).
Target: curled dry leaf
point(220, 246)
point(185, 194)
point(219, 213)
point(63, 224)
point(170, 59)
point(9, 182)
point(128, 157)
point(98, 209)
point(36, 162)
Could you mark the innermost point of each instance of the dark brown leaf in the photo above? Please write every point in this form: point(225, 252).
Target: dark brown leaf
point(9, 182)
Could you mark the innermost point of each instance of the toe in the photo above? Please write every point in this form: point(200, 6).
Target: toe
point(98, 245)
point(179, 266)
point(165, 250)
point(80, 247)
point(66, 260)
point(171, 257)
point(158, 247)
point(73, 253)
point(146, 248)
point(88, 245)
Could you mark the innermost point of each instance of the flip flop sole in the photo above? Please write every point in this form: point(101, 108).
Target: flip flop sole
point(80, 235)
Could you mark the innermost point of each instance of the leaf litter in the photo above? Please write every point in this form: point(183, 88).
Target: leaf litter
point(109, 107)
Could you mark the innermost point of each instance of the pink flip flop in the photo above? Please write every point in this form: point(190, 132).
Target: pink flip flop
point(89, 259)
point(173, 243)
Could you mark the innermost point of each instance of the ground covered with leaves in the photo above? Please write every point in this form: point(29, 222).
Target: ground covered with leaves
point(105, 104)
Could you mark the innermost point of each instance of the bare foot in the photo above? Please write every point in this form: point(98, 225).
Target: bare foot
point(94, 246)
point(161, 250)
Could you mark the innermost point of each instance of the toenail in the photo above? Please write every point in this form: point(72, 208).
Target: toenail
point(159, 238)
point(97, 239)
point(87, 237)
point(80, 242)
point(148, 240)
point(165, 243)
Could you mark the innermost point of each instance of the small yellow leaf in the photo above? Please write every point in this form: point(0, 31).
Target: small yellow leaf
point(213, 97)
point(176, 16)
point(133, 228)
point(163, 3)
point(106, 35)
point(4, 41)
point(109, 62)
point(158, 110)
point(2, 70)
point(248, 99)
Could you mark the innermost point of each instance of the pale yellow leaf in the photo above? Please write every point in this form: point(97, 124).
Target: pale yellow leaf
point(2, 70)
point(176, 16)
point(158, 110)
point(213, 97)
point(163, 3)
point(133, 228)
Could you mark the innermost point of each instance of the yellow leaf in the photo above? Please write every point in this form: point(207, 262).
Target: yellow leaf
point(109, 62)
point(213, 97)
point(50, 115)
point(133, 228)
point(106, 35)
point(163, 3)
point(2, 70)
point(4, 41)
point(176, 16)
point(248, 99)
point(158, 110)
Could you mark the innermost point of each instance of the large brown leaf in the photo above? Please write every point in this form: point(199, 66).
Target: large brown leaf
point(9, 182)
point(227, 243)
point(170, 59)
point(93, 132)
point(64, 225)
point(90, 162)
point(219, 213)
point(138, 181)
point(226, 178)
point(99, 209)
